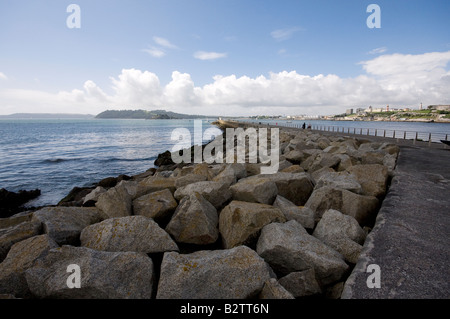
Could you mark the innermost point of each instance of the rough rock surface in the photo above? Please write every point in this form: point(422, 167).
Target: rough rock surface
point(131, 233)
point(64, 224)
point(235, 273)
point(304, 216)
point(104, 275)
point(288, 248)
point(21, 256)
point(11, 235)
point(157, 205)
point(216, 193)
point(255, 190)
point(241, 222)
point(195, 221)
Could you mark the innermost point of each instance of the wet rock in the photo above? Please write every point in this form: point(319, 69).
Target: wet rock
point(12, 203)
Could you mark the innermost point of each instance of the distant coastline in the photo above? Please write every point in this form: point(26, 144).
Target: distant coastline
point(46, 116)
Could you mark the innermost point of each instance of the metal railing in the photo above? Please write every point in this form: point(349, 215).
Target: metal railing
point(430, 137)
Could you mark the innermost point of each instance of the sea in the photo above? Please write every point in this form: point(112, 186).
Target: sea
point(55, 155)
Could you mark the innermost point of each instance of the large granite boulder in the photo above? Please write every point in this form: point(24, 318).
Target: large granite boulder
point(131, 233)
point(20, 257)
point(304, 216)
point(116, 202)
point(157, 205)
point(360, 207)
point(195, 221)
point(342, 180)
point(372, 177)
point(255, 190)
point(241, 222)
point(103, 275)
point(217, 193)
point(235, 273)
point(15, 233)
point(273, 290)
point(64, 224)
point(289, 248)
point(301, 283)
point(295, 187)
point(342, 233)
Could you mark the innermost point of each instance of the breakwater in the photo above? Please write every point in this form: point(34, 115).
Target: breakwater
point(217, 230)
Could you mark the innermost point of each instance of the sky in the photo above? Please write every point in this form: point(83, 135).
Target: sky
point(222, 57)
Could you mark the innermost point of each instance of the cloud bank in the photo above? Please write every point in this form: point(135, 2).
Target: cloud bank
point(395, 79)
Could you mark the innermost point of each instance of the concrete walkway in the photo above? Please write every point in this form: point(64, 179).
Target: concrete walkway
point(411, 238)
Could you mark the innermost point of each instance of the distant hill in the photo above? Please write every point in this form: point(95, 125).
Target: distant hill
point(46, 116)
point(149, 115)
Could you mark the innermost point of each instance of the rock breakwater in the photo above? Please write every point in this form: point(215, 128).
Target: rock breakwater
point(208, 230)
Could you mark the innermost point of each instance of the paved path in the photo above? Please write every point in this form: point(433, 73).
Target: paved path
point(411, 238)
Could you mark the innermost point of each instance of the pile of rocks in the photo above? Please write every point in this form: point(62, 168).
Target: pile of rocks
point(209, 231)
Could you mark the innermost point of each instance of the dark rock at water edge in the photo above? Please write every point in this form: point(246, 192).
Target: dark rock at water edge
point(12, 203)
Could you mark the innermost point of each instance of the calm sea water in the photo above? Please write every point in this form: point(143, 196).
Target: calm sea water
point(57, 155)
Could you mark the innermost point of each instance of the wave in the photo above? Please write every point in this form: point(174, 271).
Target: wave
point(59, 160)
point(118, 159)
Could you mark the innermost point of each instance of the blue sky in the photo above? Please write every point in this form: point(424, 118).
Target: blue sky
point(233, 57)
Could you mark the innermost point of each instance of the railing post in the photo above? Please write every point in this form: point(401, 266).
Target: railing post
point(429, 139)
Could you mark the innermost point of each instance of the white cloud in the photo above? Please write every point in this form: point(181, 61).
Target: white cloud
point(164, 43)
point(3, 76)
point(396, 79)
point(155, 52)
point(202, 55)
point(378, 50)
point(284, 34)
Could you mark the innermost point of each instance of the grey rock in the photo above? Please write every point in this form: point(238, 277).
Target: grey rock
point(273, 290)
point(217, 193)
point(104, 275)
point(64, 224)
point(304, 216)
point(289, 248)
point(116, 202)
point(372, 177)
point(255, 190)
point(21, 256)
point(342, 180)
point(301, 283)
point(360, 207)
point(93, 196)
point(195, 221)
point(157, 205)
point(241, 222)
point(342, 233)
point(235, 273)
point(130, 233)
point(11, 235)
